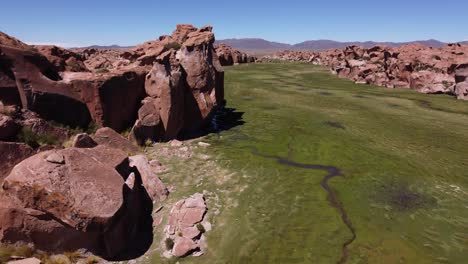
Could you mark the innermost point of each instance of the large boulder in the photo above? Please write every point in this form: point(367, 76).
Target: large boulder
point(12, 153)
point(184, 87)
point(108, 137)
point(64, 200)
point(153, 185)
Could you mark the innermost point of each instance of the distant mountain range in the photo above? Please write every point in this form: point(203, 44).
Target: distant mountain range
point(262, 45)
point(257, 45)
point(106, 47)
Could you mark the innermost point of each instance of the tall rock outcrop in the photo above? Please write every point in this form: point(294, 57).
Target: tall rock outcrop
point(163, 88)
point(184, 87)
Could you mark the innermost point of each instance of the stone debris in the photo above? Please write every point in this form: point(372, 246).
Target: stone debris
point(185, 228)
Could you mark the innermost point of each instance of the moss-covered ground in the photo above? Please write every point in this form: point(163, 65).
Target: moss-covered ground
point(404, 156)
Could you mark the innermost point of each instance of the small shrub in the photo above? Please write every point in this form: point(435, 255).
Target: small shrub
point(92, 260)
point(35, 140)
point(201, 228)
point(7, 251)
point(58, 259)
point(102, 70)
point(92, 128)
point(73, 256)
point(173, 45)
point(148, 143)
point(74, 66)
point(169, 243)
point(447, 84)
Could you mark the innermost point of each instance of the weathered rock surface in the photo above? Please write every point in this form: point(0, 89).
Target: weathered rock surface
point(75, 198)
point(153, 185)
point(184, 87)
point(461, 79)
point(184, 225)
point(108, 137)
point(424, 69)
point(11, 154)
point(73, 98)
point(63, 59)
point(227, 55)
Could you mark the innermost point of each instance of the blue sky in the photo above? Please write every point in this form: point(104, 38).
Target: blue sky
point(103, 22)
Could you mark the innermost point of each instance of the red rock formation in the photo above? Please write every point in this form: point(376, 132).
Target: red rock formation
point(62, 59)
point(461, 79)
point(414, 66)
point(74, 99)
point(185, 226)
point(227, 55)
point(75, 198)
point(11, 154)
point(184, 87)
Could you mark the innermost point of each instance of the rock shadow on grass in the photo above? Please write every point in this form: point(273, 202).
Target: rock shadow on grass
point(335, 124)
point(222, 119)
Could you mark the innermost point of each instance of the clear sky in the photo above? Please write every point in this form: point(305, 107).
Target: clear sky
point(103, 22)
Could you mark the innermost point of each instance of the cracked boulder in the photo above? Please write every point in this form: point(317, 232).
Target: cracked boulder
point(185, 228)
point(64, 200)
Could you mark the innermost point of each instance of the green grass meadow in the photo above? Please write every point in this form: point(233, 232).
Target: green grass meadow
point(404, 156)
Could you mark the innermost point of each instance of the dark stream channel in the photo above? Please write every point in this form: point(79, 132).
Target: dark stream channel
point(331, 195)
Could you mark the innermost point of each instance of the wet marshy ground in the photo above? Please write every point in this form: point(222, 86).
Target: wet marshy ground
point(275, 173)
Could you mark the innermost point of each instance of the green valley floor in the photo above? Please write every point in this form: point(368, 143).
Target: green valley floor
point(327, 171)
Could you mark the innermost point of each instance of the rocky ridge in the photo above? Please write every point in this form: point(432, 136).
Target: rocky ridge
point(227, 55)
point(414, 66)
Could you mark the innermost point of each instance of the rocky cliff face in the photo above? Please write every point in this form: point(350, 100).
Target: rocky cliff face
point(179, 75)
point(424, 69)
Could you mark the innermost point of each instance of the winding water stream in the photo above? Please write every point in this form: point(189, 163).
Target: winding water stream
point(331, 195)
